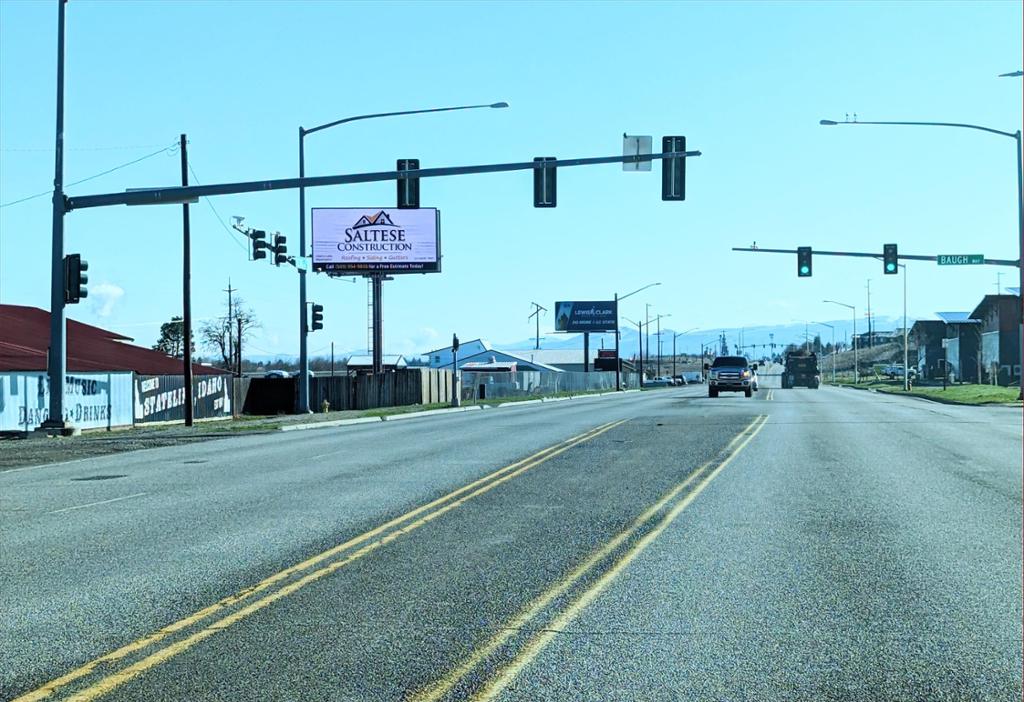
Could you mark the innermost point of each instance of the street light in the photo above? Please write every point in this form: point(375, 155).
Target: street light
point(618, 298)
point(658, 334)
point(856, 365)
point(303, 353)
point(1016, 136)
point(674, 337)
point(826, 324)
point(640, 341)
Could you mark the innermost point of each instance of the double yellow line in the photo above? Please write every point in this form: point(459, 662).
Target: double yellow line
point(367, 542)
point(699, 479)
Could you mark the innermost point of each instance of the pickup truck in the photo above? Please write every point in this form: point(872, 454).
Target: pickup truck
point(731, 374)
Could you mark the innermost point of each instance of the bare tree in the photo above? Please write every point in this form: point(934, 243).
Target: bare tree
point(222, 334)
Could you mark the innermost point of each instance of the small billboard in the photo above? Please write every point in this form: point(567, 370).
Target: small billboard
point(361, 240)
point(587, 316)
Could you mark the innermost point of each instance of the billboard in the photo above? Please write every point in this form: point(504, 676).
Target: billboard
point(161, 398)
point(360, 240)
point(589, 316)
point(91, 400)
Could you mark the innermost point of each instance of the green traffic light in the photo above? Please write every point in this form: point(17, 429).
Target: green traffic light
point(805, 270)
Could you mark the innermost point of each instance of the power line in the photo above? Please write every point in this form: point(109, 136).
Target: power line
point(169, 150)
point(26, 149)
point(217, 214)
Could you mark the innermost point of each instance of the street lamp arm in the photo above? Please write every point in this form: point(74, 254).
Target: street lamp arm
point(397, 114)
point(1012, 135)
point(651, 285)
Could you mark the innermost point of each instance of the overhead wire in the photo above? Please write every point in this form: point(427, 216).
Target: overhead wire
point(169, 150)
point(216, 214)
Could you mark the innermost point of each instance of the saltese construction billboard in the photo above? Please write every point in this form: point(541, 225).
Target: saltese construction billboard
point(585, 316)
point(360, 240)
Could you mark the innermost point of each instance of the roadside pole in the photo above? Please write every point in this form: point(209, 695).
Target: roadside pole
point(456, 384)
point(186, 283)
point(57, 360)
point(618, 360)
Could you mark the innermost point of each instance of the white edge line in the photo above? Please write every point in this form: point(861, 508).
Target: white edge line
point(101, 502)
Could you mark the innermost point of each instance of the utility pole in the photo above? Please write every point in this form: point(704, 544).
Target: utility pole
point(231, 330)
point(647, 339)
point(239, 320)
point(871, 340)
point(332, 360)
point(536, 315)
point(999, 282)
point(186, 285)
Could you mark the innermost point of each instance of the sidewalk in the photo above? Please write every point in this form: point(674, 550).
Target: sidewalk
point(20, 452)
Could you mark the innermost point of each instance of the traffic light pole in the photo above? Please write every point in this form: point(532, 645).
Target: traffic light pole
point(303, 332)
point(57, 360)
point(863, 254)
point(177, 195)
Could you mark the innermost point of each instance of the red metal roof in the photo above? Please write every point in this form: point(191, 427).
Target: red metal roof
point(25, 337)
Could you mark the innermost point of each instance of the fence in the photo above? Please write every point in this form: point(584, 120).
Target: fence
point(161, 398)
point(91, 400)
point(488, 386)
point(413, 386)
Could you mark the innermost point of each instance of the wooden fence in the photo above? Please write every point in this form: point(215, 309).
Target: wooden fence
point(412, 386)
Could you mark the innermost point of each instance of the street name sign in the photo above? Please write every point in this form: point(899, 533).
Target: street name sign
point(961, 259)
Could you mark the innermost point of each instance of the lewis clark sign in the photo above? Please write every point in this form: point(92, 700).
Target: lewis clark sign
point(359, 241)
point(585, 316)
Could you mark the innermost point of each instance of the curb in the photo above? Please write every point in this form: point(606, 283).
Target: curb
point(927, 398)
point(447, 410)
point(428, 413)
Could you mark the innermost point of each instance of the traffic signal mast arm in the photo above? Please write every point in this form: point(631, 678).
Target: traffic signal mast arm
point(861, 254)
point(177, 194)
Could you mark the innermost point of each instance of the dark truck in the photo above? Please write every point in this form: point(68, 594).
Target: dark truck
point(731, 374)
point(801, 371)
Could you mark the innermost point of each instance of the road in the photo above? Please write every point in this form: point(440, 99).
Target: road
point(802, 544)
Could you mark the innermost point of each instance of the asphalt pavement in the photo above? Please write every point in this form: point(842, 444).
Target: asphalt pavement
point(801, 544)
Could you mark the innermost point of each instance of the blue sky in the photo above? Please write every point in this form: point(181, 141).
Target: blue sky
point(746, 83)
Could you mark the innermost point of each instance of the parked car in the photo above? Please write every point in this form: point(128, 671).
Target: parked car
point(277, 373)
point(659, 382)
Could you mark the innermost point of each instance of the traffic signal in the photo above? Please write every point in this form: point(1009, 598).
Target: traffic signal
point(408, 188)
point(673, 170)
point(280, 250)
point(803, 261)
point(545, 191)
point(259, 244)
point(890, 259)
point(317, 321)
point(75, 278)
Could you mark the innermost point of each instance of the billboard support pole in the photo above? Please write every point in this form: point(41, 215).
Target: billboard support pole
point(586, 352)
point(378, 335)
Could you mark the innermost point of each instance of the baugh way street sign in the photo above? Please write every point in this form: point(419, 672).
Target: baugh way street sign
point(961, 259)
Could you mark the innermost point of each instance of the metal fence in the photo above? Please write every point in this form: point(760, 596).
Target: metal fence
point(489, 386)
